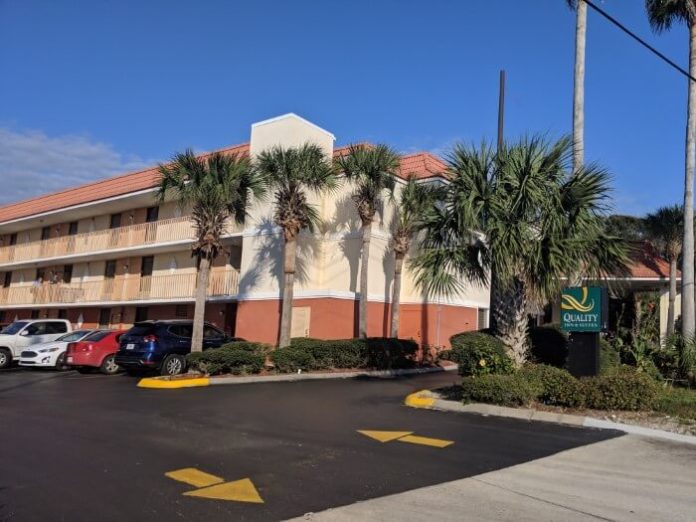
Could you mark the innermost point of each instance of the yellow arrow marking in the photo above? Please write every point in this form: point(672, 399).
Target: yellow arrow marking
point(194, 477)
point(426, 441)
point(240, 491)
point(385, 436)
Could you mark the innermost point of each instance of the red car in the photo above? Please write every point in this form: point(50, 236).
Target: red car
point(97, 350)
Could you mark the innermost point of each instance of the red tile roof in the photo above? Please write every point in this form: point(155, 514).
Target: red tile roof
point(422, 165)
point(647, 264)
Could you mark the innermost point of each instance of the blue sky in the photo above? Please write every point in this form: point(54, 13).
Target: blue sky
point(93, 87)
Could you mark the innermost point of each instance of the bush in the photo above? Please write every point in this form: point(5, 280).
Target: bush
point(609, 358)
point(479, 353)
point(548, 345)
point(505, 390)
point(623, 390)
point(373, 352)
point(290, 359)
point(555, 386)
point(236, 358)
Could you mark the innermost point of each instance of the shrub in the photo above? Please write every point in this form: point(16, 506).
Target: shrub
point(479, 353)
point(291, 358)
point(236, 358)
point(548, 345)
point(505, 390)
point(623, 390)
point(555, 386)
point(373, 352)
point(609, 358)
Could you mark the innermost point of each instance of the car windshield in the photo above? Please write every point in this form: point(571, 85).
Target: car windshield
point(97, 336)
point(142, 329)
point(73, 336)
point(14, 327)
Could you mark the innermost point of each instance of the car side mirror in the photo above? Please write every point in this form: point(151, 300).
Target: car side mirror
point(24, 333)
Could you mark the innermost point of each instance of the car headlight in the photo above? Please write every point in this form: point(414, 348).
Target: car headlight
point(49, 350)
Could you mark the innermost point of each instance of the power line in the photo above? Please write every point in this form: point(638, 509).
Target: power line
point(638, 39)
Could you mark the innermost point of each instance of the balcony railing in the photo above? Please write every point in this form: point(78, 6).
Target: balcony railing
point(174, 229)
point(122, 289)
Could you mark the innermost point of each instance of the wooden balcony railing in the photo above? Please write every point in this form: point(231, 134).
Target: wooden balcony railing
point(163, 231)
point(121, 289)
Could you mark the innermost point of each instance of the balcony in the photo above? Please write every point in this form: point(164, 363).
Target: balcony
point(164, 231)
point(122, 289)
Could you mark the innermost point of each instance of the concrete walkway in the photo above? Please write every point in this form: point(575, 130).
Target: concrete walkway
point(629, 478)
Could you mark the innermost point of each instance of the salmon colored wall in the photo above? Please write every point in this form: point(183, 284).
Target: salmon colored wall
point(337, 319)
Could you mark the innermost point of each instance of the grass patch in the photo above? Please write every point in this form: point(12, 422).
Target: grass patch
point(678, 402)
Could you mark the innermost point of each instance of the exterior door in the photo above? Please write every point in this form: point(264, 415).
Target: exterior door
point(300, 321)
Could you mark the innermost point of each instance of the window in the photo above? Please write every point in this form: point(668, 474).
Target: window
point(146, 266)
point(181, 311)
point(62, 313)
point(181, 330)
point(142, 329)
point(45, 233)
point(115, 221)
point(56, 327)
point(104, 317)
point(152, 214)
point(71, 337)
point(67, 273)
point(110, 269)
point(97, 336)
point(36, 328)
point(3, 316)
point(72, 228)
point(8, 280)
point(40, 275)
point(141, 314)
point(14, 327)
point(212, 333)
point(34, 314)
point(13, 239)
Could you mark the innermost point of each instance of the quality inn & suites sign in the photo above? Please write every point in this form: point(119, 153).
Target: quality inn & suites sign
point(581, 309)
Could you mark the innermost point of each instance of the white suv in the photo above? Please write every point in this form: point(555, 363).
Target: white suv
point(20, 335)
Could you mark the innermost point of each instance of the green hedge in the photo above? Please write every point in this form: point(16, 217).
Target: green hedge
point(555, 386)
point(609, 358)
point(623, 390)
point(505, 390)
point(548, 345)
point(374, 352)
point(479, 353)
point(237, 358)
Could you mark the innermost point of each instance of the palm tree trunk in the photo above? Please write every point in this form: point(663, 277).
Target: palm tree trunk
point(672, 295)
point(688, 317)
point(290, 249)
point(579, 87)
point(509, 315)
point(364, 263)
point(199, 309)
point(396, 294)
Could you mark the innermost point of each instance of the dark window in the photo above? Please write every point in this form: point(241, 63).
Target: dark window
point(181, 311)
point(34, 314)
point(8, 280)
point(45, 233)
point(62, 313)
point(3, 316)
point(142, 329)
point(141, 314)
point(56, 327)
point(36, 328)
point(181, 330)
point(110, 269)
point(40, 274)
point(72, 228)
point(104, 317)
point(212, 333)
point(152, 214)
point(97, 336)
point(13, 239)
point(67, 273)
point(115, 221)
point(146, 266)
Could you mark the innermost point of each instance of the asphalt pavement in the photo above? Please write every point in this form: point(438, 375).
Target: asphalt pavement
point(91, 447)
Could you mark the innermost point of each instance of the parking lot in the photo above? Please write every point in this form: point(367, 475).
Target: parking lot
point(82, 447)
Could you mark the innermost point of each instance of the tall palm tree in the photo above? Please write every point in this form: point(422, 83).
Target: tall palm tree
point(371, 169)
point(523, 214)
point(665, 227)
point(580, 8)
point(662, 14)
point(414, 201)
point(216, 188)
point(290, 173)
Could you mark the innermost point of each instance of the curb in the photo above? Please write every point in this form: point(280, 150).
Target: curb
point(426, 399)
point(163, 383)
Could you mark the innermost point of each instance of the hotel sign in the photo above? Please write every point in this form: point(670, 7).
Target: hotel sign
point(583, 309)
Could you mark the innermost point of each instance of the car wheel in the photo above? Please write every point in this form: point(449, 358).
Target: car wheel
point(60, 363)
point(5, 358)
point(109, 366)
point(84, 369)
point(173, 365)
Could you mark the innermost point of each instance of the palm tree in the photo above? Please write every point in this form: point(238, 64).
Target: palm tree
point(290, 173)
point(662, 14)
point(216, 188)
point(666, 228)
point(580, 8)
point(414, 201)
point(371, 169)
point(525, 215)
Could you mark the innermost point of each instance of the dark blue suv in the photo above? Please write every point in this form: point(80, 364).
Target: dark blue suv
point(163, 345)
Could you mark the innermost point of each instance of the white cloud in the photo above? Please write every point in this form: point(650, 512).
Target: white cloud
point(33, 163)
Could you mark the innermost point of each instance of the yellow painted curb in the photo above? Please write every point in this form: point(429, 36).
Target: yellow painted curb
point(162, 384)
point(419, 399)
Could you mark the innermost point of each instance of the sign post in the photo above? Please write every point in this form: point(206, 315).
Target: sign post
point(584, 313)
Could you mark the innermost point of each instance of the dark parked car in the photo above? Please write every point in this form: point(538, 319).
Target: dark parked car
point(163, 345)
